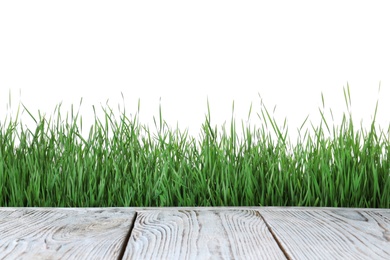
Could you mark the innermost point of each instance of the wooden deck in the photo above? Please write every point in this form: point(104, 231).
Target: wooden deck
point(194, 233)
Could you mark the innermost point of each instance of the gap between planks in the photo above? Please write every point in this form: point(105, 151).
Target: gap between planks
point(126, 241)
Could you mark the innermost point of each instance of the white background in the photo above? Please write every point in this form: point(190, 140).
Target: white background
point(184, 52)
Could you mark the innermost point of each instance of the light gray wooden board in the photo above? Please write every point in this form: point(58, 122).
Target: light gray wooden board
point(63, 233)
point(201, 234)
point(338, 233)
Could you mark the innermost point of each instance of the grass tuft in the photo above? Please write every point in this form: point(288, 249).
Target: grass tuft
point(122, 163)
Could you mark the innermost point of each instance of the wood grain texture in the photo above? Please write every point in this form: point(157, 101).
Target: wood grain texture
point(63, 233)
point(195, 233)
point(201, 234)
point(326, 233)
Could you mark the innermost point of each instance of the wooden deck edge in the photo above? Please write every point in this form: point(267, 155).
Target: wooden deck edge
point(202, 208)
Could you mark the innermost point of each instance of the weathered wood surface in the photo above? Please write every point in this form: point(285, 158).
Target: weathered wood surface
point(194, 233)
point(63, 233)
point(328, 233)
point(201, 234)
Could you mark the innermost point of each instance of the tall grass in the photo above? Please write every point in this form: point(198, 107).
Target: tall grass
point(122, 163)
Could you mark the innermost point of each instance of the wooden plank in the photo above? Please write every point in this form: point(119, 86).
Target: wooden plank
point(63, 233)
point(338, 233)
point(201, 234)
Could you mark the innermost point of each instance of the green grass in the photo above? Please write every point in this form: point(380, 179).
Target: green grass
point(122, 163)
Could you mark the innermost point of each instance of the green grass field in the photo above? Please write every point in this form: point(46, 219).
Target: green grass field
point(122, 163)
